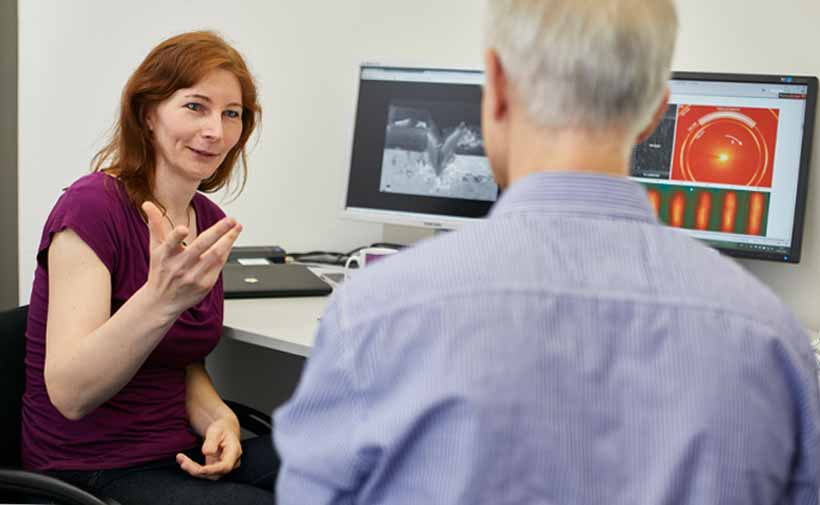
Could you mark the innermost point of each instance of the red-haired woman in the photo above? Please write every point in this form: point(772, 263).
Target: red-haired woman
point(127, 297)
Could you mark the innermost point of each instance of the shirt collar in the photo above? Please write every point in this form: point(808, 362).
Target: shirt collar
point(576, 194)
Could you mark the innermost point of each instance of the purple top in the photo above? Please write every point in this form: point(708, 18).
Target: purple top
point(146, 420)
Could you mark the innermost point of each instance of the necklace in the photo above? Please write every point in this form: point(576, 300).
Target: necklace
point(187, 224)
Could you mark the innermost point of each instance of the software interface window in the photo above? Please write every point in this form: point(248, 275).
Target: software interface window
point(724, 162)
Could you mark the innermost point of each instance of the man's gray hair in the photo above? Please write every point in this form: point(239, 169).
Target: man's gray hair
point(587, 64)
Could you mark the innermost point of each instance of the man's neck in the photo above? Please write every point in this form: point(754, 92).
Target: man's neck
point(540, 150)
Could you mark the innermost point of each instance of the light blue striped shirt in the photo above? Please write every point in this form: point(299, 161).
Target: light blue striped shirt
point(566, 350)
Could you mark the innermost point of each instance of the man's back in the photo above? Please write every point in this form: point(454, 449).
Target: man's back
point(566, 350)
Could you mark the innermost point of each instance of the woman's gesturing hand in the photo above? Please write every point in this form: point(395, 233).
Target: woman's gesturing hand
point(181, 276)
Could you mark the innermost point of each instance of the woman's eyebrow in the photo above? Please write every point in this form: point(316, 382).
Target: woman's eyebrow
point(196, 95)
point(207, 99)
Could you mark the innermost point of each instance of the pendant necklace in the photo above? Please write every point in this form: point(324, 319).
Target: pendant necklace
point(187, 224)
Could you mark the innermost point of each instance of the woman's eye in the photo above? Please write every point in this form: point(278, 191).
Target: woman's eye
point(194, 106)
point(233, 114)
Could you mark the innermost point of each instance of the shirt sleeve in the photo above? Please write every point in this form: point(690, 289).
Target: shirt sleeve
point(801, 369)
point(90, 213)
point(315, 433)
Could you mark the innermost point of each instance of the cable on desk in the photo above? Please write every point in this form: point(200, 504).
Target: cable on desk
point(326, 257)
point(389, 245)
point(333, 257)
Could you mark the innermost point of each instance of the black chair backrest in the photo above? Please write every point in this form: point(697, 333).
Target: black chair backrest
point(12, 383)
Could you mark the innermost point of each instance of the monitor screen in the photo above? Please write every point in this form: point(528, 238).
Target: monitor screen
point(418, 154)
point(728, 163)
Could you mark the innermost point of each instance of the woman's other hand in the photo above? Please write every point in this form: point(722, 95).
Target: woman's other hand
point(221, 449)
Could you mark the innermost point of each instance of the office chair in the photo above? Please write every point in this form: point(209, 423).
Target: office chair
point(17, 484)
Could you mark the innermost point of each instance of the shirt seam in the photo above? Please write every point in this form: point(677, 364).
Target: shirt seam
point(349, 324)
point(584, 215)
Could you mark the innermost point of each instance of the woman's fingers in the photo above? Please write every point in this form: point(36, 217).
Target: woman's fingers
point(209, 237)
point(231, 454)
point(156, 231)
point(183, 275)
point(212, 472)
point(212, 261)
point(173, 241)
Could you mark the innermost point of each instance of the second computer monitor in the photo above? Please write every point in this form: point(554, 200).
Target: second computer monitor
point(729, 162)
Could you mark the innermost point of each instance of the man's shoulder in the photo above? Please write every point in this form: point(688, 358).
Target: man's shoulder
point(417, 274)
point(667, 269)
point(708, 283)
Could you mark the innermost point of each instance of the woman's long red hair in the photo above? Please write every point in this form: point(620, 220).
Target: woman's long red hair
point(177, 63)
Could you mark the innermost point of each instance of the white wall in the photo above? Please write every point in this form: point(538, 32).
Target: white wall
point(764, 37)
point(75, 57)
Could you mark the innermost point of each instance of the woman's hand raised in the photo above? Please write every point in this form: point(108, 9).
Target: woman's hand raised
point(178, 276)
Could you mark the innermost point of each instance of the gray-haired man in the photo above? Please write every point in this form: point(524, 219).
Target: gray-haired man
point(568, 349)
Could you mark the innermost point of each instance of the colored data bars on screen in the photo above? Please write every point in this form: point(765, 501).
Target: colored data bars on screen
point(711, 209)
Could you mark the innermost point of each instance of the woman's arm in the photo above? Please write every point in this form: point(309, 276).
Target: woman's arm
point(215, 422)
point(91, 354)
point(202, 402)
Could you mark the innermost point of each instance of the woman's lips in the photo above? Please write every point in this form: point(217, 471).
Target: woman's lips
point(203, 153)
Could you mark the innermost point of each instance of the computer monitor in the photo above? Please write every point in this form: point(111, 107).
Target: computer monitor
point(418, 153)
point(728, 164)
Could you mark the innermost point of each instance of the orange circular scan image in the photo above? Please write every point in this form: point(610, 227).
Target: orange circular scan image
point(725, 145)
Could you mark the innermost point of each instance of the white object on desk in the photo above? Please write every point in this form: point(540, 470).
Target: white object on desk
point(253, 261)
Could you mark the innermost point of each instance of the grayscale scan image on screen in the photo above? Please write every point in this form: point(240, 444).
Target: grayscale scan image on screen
point(436, 149)
point(417, 154)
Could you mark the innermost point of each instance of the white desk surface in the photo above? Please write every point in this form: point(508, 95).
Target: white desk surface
point(283, 324)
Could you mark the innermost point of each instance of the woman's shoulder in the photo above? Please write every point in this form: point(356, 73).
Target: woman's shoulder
point(96, 203)
point(96, 190)
point(96, 208)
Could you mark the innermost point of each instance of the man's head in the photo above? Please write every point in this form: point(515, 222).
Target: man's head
point(598, 67)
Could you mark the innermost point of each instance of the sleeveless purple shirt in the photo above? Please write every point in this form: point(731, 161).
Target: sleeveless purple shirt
point(146, 420)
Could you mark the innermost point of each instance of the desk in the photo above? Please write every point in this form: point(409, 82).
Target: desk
point(282, 324)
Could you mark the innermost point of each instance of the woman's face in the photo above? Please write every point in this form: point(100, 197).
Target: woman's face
point(195, 128)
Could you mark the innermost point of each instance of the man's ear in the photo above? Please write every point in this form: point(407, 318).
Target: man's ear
point(656, 118)
point(496, 86)
point(495, 116)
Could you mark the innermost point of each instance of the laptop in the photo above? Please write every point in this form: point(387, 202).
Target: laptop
point(269, 281)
